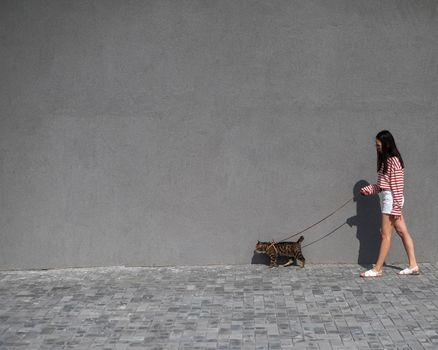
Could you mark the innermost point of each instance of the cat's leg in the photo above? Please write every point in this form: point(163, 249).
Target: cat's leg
point(273, 258)
point(302, 261)
point(290, 262)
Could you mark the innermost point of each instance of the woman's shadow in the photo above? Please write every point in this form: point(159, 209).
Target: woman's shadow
point(367, 222)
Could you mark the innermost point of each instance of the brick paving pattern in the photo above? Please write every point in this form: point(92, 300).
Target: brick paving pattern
point(219, 307)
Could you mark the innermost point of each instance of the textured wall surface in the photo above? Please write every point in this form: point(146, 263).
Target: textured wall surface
point(181, 132)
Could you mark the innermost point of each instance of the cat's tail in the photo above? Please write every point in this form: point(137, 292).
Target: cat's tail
point(300, 239)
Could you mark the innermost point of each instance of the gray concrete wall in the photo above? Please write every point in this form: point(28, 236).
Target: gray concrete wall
point(181, 132)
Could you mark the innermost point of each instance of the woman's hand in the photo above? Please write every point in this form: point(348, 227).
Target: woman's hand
point(364, 192)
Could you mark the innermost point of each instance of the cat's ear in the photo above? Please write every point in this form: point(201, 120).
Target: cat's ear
point(258, 241)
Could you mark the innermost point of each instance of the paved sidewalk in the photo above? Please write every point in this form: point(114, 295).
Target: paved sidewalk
point(220, 307)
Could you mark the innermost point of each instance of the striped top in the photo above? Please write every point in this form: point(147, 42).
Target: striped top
point(392, 181)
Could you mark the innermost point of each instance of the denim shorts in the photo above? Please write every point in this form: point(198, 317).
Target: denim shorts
point(386, 201)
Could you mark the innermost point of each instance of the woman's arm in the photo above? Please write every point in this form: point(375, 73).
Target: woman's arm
point(396, 181)
point(370, 189)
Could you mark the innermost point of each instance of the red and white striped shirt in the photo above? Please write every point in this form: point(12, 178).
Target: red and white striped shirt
point(392, 180)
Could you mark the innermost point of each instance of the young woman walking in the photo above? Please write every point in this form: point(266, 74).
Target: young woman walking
point(390, 185)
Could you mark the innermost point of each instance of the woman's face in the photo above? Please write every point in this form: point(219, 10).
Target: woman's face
point(378, 146)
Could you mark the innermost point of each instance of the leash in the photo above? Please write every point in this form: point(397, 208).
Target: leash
point(326, 235)
point(308, 228)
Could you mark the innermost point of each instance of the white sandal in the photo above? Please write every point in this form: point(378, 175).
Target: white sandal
point(408, 271)
point(371, 273)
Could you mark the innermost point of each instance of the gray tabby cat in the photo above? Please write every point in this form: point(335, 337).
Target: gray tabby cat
point(291, 250)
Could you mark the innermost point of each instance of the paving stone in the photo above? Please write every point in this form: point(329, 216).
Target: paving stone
point(218, 307)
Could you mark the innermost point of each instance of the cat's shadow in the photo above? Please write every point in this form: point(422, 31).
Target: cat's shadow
point(367, 222)
point(260, 259)
point(263, 259)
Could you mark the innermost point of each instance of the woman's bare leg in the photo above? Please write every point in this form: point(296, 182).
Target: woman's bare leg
point(386, 233)
point(402, 230)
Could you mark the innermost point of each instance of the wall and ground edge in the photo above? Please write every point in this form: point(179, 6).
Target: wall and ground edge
point(146, 133)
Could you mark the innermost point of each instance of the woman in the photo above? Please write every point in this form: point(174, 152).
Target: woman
point(390, 184)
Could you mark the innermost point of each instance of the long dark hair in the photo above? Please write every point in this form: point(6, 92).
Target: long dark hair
point(389, 149)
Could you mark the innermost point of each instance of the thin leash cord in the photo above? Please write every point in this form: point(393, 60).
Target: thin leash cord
point(325, 218)
point(326, 235)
